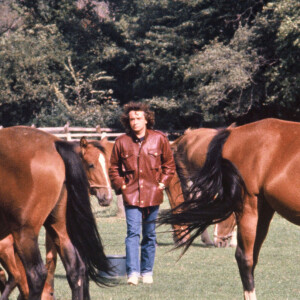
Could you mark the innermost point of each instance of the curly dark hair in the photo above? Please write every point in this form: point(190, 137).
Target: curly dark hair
point(137, 106)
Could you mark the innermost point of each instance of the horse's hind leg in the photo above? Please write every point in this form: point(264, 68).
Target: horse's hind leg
point(26, 242)
point(233, 240)
point(14, 267)
point(252, 230)
point(2, 280)
point(51, 259)
point(7, 258)
point(75, 268)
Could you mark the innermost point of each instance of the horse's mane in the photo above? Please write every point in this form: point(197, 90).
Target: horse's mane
point(99, 146)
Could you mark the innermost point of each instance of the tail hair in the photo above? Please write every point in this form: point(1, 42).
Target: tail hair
point(81, 224)
point(217, 191)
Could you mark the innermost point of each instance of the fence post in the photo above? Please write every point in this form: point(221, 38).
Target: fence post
point(67, 131)
point(121, 210)
point(98, 128)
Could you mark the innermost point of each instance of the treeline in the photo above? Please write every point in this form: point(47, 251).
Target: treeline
point(196, 62)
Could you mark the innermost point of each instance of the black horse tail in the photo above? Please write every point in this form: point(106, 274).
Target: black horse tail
point(216, 192)
point(81, 224)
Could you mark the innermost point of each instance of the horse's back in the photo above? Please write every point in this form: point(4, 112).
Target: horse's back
point(20, 142)
point(264, 147)
point(30, 168)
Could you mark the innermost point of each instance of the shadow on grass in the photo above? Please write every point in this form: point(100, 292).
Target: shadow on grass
point(200, 245)
point(108, 282)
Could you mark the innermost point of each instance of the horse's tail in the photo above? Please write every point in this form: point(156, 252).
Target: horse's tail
point(216, 192)
point(81, 224)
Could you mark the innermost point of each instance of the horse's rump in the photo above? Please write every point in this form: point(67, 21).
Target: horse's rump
point(30, 168)
point(190, 153)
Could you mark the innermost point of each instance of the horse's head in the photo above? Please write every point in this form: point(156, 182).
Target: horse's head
point(96, 163)
point(224, 233)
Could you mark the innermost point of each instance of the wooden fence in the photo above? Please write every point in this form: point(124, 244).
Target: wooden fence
point(75, 133)
point(69, 133)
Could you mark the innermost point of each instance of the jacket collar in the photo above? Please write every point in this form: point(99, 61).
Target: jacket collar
point(136, 139)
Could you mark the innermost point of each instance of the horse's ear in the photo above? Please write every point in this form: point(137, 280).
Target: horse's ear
point(188, 130)
point(104, 142)
point(233, 125)
point(83, 142)
point(173, 147)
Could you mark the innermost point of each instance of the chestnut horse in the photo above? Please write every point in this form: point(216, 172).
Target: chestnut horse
point(190, 161)
point(254, 171)
point(43, 182)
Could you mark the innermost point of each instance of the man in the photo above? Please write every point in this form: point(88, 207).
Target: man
point(142, 165)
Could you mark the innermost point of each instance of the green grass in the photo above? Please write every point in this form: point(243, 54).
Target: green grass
point(202, 273)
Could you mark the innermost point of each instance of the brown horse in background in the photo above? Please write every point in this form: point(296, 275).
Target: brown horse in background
point(190, 161)
point(254, 171)
point(42, 182)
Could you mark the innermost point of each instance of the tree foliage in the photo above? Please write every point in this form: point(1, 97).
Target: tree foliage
point(197, 63)
point(31, 63)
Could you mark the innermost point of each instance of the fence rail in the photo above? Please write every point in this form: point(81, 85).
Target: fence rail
point(75, 133)
point(69, 133)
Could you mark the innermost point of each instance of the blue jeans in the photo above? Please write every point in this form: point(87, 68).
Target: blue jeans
point(137, 218)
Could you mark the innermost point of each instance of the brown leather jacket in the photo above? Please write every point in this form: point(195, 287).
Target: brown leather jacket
point(141, 166)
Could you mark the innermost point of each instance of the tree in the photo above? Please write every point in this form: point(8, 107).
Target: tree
point(30, 64)
point(198, 62)
point(48, 75)
point(283, 76)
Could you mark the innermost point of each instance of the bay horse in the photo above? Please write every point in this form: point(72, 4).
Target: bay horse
point(254, 171)
point(43, 182)
point(96, 160)
point(190, 161)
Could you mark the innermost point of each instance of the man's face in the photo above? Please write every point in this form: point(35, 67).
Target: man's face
point(137, 121)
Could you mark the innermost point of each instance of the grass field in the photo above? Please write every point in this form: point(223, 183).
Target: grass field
point(203, 272)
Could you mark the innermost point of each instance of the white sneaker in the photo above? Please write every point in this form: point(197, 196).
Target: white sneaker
point(133, 280)
point(148, 279)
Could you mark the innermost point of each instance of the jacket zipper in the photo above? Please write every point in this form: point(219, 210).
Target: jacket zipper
point(138, 164)
point(138, 161)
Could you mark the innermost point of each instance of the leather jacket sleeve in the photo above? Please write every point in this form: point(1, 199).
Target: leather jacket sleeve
point(168, 164)
point(115, 170)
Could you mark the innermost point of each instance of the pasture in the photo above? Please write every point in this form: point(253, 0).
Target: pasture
point(202, 273)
